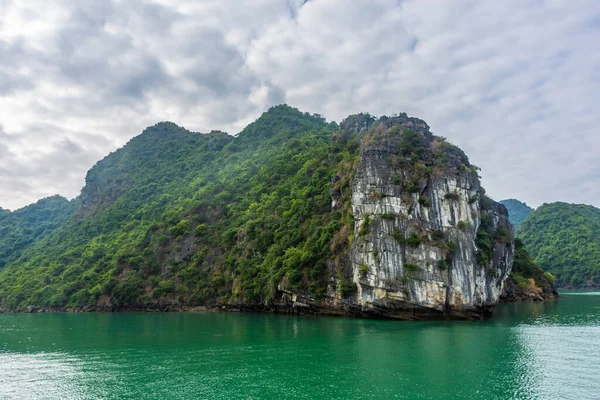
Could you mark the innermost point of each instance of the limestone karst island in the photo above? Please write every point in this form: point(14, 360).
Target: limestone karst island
point(372, 217)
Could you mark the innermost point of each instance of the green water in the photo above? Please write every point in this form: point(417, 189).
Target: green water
point(545, 350)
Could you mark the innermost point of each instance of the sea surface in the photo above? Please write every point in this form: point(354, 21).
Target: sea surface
point(548, 350)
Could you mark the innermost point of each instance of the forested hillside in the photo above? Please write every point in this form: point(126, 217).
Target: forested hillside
point(20, 229)
point(565, 239)
point(182, 217)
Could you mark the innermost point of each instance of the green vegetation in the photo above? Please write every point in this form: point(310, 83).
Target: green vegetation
point(517, 211)
point(413, 144)
point(413, 240)
point(527, 274)
point(410, 268)
point(565, 240)
point(346, 287)
point(186, 218)
point(452, 196)
point(464, 225)
point(365, 226)
point(486, 203)
point(451, 247)
point(388, 216)
point(483, 240)
point(442, 264)
point(412, 186)
point(364, 270)
point(21, 229)
point(437, 235)
point(398, 282)
point(376, 253)
point(502, 235)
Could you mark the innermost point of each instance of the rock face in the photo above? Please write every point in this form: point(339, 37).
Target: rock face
point(419, 215)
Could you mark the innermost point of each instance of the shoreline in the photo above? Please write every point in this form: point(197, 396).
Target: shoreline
point(433, 315)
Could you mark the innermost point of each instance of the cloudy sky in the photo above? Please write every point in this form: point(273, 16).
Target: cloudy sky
point(515, 83)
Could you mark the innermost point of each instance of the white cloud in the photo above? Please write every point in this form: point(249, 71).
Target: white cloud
point(514, 83)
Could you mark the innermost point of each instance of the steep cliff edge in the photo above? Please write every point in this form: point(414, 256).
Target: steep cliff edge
point(427, 242)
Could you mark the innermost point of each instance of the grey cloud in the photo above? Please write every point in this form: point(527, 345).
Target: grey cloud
point(69, 147)
point(513, 83)
point(11, 83)
point(11, 79)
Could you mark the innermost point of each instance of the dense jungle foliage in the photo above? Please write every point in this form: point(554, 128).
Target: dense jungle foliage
point(22, 228)
point(527, 274)
point(517, 211)
point(565, 240)
point(177, 217)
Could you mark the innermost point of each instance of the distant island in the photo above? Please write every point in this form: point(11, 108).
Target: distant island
point(565, 239)
point(517, 211)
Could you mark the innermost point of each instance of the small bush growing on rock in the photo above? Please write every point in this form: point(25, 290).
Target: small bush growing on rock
point(442, 264)
point(365, 226)
point(424, 201)
point(473, 199)
point(376, 195)
point(413, 240)
point(388, 215)
point(437, 235)
point(346, 287)
point(403, 280)
point(452, 196)
point(363, 271)
point(413, 186)
point(397, 282)
point(411, 267)
point(482, 257)
point(463, 225)
point(452, 247)
point(501, 235)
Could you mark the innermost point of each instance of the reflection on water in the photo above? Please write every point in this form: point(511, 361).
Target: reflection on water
point(561, 362)
point(526, 351)
point(43, 375)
